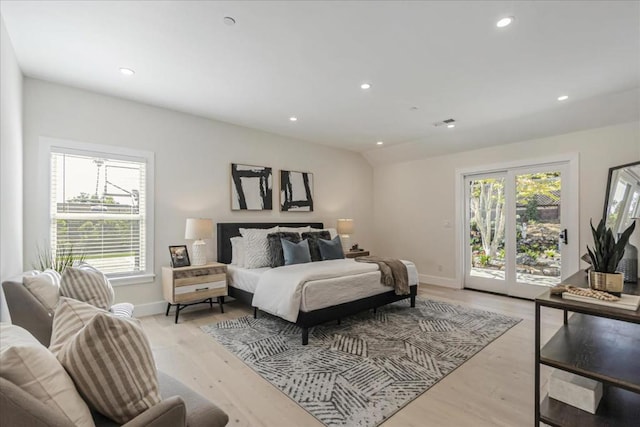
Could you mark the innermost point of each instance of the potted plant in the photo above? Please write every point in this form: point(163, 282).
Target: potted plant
point(64, 257)
point(605, 257)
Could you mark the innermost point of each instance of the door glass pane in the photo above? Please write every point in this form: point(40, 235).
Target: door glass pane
point(538, 258)
point(486, 228)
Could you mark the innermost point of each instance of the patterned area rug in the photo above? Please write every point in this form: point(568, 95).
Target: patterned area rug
point(361, 372)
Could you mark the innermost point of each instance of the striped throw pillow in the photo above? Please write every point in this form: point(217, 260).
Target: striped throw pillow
point(30, 366)
point(111, 364)
point(70, 317)
point(87, 284)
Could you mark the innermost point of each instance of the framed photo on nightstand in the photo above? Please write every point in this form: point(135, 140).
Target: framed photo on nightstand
point(179, 256)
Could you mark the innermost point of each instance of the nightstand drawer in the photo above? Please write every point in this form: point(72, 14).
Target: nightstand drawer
point(191, 272)
point(222, 284)
point(194, 280)
point(200, 294)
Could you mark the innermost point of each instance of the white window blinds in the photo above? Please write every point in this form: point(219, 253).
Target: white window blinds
point(98, 208)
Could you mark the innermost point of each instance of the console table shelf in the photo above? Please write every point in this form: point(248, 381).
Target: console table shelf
point(597, 342)
point(619, 408)
point(615, 350)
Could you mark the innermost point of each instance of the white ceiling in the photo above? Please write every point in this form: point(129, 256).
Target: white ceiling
point(309, 58)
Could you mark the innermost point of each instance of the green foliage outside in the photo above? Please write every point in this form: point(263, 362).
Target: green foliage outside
point(488, 219)
point(87, 236)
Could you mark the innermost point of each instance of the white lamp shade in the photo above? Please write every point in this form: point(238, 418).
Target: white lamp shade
point(345, 226)
point(199, 228)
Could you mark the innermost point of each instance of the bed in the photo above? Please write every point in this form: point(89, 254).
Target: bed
point(363, 293)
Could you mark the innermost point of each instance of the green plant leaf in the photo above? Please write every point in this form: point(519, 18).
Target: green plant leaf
point(607, 252)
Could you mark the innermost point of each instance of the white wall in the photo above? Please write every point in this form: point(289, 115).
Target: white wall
point(10, 164)
point(412, 200)
point(192, 163)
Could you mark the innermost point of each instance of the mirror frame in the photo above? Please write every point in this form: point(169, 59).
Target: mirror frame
point(608, 192)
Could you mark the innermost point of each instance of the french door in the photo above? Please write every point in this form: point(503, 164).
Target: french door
point(520, 229)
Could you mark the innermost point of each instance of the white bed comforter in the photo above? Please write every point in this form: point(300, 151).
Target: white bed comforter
point(279, 290)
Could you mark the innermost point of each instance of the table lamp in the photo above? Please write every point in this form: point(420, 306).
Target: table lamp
point(199, 229)
point(345, 230)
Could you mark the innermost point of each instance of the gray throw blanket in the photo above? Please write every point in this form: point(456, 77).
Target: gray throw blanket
point(393, 272)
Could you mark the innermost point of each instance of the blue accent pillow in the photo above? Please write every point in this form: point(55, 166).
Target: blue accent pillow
point(312, 237)
point(276, 256)
point(295, 253)
point(331, 249)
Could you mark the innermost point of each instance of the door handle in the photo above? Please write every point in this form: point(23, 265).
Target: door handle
point(564, 236)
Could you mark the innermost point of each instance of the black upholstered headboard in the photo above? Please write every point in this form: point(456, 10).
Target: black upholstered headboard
point(227, 230)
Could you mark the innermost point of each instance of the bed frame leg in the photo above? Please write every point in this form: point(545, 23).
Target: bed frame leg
point(255, 312)
point(413, 301)
point(305, 335)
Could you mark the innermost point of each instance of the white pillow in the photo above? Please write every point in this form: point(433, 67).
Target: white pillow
point(256, 246)
point(298, 230)
point(29, 365)
point(45, 287)
point(237, 251)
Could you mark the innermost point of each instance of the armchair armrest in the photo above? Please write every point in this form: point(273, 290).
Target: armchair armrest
point(26, 311)
point(171, 412)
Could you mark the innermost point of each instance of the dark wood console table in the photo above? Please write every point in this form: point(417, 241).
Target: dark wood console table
point(599, 342)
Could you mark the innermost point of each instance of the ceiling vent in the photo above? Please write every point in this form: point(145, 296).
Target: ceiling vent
point(444, 122)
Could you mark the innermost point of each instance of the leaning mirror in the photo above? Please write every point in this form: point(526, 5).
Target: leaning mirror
point(622, 205)
point(623, 196)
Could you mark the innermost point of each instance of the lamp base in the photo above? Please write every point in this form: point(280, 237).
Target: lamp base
point(199, 256)
point(345, 239)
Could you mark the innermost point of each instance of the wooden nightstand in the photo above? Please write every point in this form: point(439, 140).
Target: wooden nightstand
point(353, 254)
point(185, 286)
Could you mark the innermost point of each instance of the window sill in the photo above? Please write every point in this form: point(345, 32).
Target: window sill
point(132, 280)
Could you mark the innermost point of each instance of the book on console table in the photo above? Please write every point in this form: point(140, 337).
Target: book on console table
point(626, 301)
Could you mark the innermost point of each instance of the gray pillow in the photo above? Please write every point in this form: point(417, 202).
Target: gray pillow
point(312, 237)
point(295, 253)
point(276, 257)
point(331, 249)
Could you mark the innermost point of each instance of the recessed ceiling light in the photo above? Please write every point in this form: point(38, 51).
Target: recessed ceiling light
point(127, 71)
point(505, 21)
point(563, 98)
point(379, 143)
point(451, 126)
point(293, 118)
point(365, 86)
point(229, 20)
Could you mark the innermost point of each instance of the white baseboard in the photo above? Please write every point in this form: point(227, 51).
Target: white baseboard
point(445, 282)
point(150, 308)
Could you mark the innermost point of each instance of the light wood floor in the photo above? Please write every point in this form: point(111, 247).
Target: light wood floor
point(494, 388)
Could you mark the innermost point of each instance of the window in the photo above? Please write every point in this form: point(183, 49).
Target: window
point(100, 207)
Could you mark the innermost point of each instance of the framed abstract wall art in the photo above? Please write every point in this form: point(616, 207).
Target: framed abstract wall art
point(296, 191)
point(251, 188)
